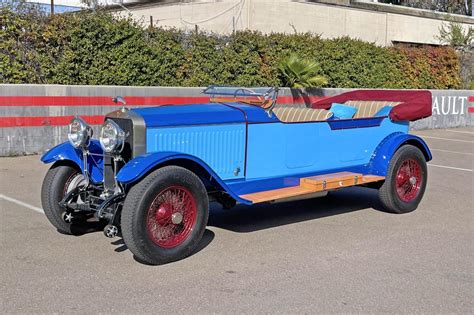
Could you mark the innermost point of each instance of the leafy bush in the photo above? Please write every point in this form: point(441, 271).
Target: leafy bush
point(20, 61)
point(98, 48)
point(429, 68)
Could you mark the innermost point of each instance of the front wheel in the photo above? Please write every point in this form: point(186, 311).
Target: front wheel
point(60, 180)
point(405, 182)
point(165, 215)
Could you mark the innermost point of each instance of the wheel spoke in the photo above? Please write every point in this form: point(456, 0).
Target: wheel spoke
point(160, 226)
point(408, 180)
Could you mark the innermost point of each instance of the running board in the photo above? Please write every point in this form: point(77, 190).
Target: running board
point(310, 185)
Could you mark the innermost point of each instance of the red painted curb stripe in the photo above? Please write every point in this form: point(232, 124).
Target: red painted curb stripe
point(6, 122)
point(95, 100)
point(131, 100)
point(38, 121)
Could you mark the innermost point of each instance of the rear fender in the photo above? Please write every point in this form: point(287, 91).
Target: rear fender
point(380, 160)
point(142, 165)
point(66, 152)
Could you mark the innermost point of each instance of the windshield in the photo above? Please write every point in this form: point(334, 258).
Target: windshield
point(263, 97)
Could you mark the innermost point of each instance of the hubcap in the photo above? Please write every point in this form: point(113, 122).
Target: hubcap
point(171, 217)
point(177, 218)
point(408, 180)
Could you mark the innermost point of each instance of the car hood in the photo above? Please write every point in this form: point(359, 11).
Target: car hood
point(192, 114)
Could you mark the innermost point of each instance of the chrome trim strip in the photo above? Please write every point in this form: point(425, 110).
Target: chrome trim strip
point(139, 129)
point(197, 125)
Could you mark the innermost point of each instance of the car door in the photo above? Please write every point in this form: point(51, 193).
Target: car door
point(281, 149)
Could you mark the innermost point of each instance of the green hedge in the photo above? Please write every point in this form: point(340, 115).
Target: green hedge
point(96, 49)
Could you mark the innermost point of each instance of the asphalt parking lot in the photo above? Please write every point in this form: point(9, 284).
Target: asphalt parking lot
point(329, 255)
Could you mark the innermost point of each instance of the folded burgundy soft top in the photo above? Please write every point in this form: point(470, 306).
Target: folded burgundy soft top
point(413, 105)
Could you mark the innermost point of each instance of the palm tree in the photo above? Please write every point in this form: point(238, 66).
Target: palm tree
point(301, 73)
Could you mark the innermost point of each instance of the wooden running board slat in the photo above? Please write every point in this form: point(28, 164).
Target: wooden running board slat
point(309, 185)
point(331, 181)
point(277, 194)
point(372, 178)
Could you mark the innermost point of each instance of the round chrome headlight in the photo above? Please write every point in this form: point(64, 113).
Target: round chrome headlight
point(79, 133)
point(112, 137)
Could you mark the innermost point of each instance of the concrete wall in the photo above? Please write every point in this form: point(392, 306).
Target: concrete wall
point(33, 118)
point(382, 24)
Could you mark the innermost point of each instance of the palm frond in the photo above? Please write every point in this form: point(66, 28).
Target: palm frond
point(300, 73)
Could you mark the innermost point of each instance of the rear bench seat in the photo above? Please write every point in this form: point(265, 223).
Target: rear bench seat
point(369, 108)
point(298, 114)
point(303, 114)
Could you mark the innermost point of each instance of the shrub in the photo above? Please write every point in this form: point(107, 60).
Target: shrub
point(99, 48)
point(20, 61)
point(429, 68)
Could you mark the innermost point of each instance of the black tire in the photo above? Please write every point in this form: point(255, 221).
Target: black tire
point(137, 206)
point(388, 195)
point(52, 192)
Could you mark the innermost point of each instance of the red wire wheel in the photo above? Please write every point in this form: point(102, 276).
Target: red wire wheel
point(171, 216)
point(408, 180)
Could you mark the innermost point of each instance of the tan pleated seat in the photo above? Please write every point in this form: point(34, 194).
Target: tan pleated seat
point(368, 108)
point(297, 114)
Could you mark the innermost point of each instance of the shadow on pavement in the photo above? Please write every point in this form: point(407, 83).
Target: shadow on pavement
point(91, 226)
point(207, 238)
point(244, 219)
point(121, 245)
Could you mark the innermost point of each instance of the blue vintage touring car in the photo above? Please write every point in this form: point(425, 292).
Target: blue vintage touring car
point(153, 171)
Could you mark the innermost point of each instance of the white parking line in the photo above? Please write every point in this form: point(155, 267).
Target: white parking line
point(452, 168)
point(457, 140)
point(458, 131)
point(456, 152)
point(21, 203)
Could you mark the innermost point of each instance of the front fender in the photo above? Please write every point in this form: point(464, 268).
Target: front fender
point(380, 160)
point(66, 152)
point(138, 167)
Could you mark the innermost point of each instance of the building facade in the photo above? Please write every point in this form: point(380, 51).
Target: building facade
point(384, 24)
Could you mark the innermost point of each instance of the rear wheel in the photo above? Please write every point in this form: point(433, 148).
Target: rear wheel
point(60, 180)
point(165, 215)
point(405, 182)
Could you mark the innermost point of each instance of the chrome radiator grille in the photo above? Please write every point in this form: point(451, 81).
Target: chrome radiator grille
point(127, 126)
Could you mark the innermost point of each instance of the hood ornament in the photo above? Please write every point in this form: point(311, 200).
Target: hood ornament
point(121, 100)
